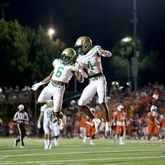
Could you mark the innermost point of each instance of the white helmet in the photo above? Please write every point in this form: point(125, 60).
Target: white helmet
point(120, 107)
point(72, 102)
point(155, 96)
point(153, 108)
point(92, 110)
point(21, 107)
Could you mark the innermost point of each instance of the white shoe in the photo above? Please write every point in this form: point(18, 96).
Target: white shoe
point(50, 147)
point(91, 143)
point(96, 123)
point(56, 143)
point(46, 147)
point(22, 146)
point(121, 143)
point(84, 140)
point(15, 143)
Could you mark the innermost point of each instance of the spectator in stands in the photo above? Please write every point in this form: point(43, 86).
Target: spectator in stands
point(162, 128)
point(1, 121)
point(11, 128)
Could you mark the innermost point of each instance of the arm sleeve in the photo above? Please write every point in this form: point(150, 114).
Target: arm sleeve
point(102, 52)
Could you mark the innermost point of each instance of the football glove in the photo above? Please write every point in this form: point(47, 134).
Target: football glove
point(36, 86)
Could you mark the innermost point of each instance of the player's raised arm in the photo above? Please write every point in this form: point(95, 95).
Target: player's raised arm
point(104, 53)
point(44, 81)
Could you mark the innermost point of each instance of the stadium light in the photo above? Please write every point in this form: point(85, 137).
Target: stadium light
point(127, 45)
point(51, 33)
point(126, 39)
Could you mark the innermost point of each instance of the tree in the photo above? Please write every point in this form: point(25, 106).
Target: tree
point(14, 48)
point(42, 53)
point(121, 62)
point(26, 55)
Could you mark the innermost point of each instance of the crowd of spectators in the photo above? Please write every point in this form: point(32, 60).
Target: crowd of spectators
point(136, 105)
point(10, 94)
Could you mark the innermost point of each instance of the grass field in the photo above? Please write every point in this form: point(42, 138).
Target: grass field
point(74, 152)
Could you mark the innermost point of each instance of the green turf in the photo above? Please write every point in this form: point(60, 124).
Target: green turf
point(74, 152)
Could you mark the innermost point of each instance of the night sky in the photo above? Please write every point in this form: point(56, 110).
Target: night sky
point(105, 21)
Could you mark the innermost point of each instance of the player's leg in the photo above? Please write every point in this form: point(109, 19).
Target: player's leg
point(101, 91)
point(121, 138)
point(56, 132)
point(150, 131)
point(92, 137)
point(45, 95)
point(22, 135)
point(17, 140)
point(58, 101)
point(117, 131)
point(46, 135)
point(86, 96)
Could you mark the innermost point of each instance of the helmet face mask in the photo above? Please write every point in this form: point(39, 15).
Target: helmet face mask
point(83, 44)
point(68, 56)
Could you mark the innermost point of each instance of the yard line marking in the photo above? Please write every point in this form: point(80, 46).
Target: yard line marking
point(80, 160)
point(3, 157)
point(71, 153)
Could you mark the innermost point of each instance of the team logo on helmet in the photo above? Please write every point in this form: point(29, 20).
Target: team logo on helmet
point(68, 56)
point(83, 44)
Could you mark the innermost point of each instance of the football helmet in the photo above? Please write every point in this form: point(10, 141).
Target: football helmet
point(92, 110)
point(153, 108)
point(83, 44)
point(21, 107)
point(120, 107)
point(68, 56)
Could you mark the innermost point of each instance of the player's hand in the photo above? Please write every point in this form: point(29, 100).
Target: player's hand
point(38, 125)
point(36, 86)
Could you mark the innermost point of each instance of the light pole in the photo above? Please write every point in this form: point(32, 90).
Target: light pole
point(3, 6)
point(134, 58)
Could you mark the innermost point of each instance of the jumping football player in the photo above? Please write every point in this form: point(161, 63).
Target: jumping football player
point(64, 69)
point(89, 58)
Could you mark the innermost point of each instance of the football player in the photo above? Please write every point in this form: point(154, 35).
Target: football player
point(57, 126)
point(90, 127)
point(63, 71)
point(119, 122)
point(153, 122)
point(46, 117)
point(89, 58)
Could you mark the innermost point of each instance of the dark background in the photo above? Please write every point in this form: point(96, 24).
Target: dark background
point(105, 21)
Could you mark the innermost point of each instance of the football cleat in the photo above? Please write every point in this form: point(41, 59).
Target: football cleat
point(92, 143)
